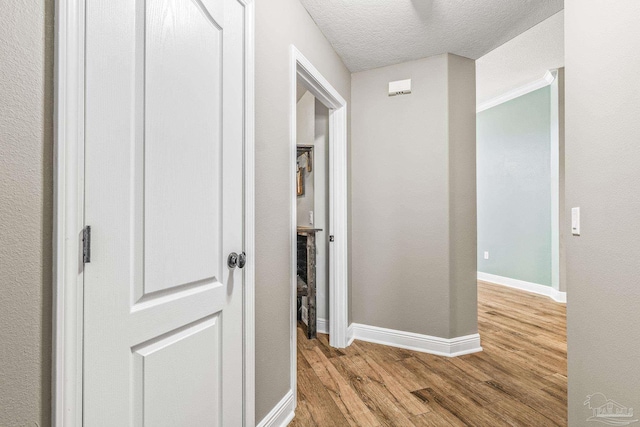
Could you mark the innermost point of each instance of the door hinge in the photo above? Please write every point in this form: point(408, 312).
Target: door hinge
point(332, 238)
point(86, 244)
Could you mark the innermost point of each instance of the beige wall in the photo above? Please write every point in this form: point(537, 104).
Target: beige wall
point(602, 178)
point(462, 197)
point(413, 239)
point(26, 144)
point(279, 23)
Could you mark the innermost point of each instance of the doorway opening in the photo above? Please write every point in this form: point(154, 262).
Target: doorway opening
point(520, 182)
point(318, 191)
point(521, 224)
point(312, 206)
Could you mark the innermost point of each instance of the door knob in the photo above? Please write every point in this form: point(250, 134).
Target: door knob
point(234, 260)
point(242, 259)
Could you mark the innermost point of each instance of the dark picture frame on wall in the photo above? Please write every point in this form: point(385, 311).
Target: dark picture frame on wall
point(304, 162)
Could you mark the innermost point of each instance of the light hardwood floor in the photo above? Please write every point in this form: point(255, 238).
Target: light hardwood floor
point(520, 379)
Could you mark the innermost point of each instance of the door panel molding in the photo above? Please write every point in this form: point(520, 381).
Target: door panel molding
point(69, 82)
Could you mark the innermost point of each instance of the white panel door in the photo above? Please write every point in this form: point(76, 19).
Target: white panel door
point(163, 332)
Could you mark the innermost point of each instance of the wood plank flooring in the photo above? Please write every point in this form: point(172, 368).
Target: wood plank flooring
point(520, 379)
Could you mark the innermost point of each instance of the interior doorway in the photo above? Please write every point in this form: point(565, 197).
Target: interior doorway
point(332, 122)
point(312, 208)
point(520, 184)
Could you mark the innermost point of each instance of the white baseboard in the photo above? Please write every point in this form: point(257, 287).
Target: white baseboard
point(535, 288)
point(350, 334)
point(322, 326)
point(450, 347)
point(282, 414)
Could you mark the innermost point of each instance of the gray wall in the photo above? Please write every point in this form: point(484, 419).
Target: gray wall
point(514, 188)
point(408, 232)
point(26, 144)
point(602, 178)
point(279, 23)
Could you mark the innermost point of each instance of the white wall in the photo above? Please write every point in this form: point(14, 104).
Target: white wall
point(603, 178)
point(305, 135)
point(321, 203)
point(522, 59)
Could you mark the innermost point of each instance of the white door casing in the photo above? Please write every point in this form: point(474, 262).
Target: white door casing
point(302, 71)
point(164, 129)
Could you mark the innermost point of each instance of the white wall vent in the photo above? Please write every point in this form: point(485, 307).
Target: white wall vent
point(400, 87)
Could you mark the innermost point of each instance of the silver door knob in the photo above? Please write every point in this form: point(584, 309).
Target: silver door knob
point(234, 260)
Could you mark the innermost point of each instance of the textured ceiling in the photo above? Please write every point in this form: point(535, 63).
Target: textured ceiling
point(521, 60)
point(374, 33)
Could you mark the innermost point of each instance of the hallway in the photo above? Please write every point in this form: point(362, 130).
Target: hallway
point(519, 379)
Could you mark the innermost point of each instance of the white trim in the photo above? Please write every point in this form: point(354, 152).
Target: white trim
point(449, 347)
point(282, 414)
point(312, 79)
point(557, 154)
point(293, 232)
point(338, 190)
point(534, 288)
point(249, 389)
point(66, 401)
point(322, 326)
point(66, 405)
point(554, 168)
point(351, 335)
point(543, 81)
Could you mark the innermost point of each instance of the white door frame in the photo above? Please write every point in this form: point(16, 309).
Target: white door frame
point(302, 69)
point(69, 215)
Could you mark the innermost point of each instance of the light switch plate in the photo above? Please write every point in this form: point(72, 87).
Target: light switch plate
point(575, 221)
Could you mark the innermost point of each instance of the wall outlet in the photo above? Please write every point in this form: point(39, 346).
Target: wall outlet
point(305, 315)
point(486, 255)
point(310, 217)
